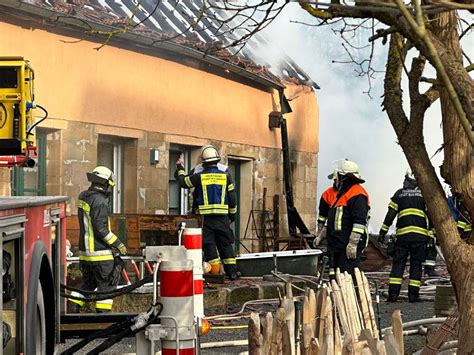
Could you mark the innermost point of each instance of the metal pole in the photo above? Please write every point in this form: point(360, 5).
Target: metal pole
point(377, 308)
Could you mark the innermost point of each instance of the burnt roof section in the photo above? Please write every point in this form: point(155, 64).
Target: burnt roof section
point(171, 21)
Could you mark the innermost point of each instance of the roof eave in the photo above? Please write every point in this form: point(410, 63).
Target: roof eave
point(141, 39)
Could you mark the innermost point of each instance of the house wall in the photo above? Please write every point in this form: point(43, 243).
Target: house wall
point(150, 102)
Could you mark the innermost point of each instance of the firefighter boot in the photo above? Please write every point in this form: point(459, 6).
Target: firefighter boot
point(431, 271)
point(392, 297)
point(413, 294)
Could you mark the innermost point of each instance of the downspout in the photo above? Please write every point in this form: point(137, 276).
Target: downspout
point(294, 218)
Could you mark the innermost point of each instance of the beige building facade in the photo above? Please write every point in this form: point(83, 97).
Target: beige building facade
point(137, 109)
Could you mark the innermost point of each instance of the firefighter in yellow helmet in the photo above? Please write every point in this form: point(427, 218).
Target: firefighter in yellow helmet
point(215, 200)
point(96, 240)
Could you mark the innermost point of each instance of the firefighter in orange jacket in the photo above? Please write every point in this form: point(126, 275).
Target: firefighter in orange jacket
point(347, 218)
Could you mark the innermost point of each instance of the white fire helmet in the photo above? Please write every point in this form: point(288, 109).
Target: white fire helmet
point(102, 175)
point(409, 174)
point(344, 167)
point(209, 154)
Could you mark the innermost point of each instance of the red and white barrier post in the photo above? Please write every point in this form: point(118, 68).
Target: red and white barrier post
point(176, 296)
point(192, 241)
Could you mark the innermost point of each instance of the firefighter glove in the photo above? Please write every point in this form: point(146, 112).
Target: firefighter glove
point(351, 249)
point(321, 235)
point(122, 249)
point(180, 163)
point(232, 218)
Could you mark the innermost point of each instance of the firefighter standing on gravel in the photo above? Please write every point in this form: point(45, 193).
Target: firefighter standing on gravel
point(216, 202)
point(412, 236)
point(96, 240)
point(347, 218)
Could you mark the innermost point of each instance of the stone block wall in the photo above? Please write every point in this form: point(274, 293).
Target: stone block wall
point(72, 152)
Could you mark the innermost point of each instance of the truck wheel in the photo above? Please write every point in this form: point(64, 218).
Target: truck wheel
point(40, 330)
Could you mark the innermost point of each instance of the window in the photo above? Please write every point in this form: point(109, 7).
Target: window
point(110, 152)
point(32, 181)
point(178, 197)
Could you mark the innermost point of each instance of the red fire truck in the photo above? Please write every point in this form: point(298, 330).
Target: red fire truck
point(33, 235)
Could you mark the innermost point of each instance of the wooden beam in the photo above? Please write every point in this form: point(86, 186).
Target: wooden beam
point(364, 305)
point(371, 308)
point(277, 332)
point(255, 346)
point(267, 327)
point(397, 328)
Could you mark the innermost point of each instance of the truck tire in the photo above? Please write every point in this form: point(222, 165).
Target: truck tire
point(40, 324)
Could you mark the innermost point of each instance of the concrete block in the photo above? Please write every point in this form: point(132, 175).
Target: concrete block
point(267, 291)
point(243, 294)
point(216, 298)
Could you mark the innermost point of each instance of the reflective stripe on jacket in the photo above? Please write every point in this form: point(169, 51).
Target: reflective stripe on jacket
point(408, 205)
point(214, 190)
point(348, 213)
point(95, 237)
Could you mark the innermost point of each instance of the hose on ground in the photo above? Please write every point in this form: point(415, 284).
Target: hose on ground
point(99, 334)
point(104, 295)
point(124, 333)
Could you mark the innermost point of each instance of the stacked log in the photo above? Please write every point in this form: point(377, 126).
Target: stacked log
point(338, 318)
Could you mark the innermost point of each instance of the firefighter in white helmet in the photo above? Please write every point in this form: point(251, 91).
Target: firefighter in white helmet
point(347, 218)
point(96, 240)
point(215, 200)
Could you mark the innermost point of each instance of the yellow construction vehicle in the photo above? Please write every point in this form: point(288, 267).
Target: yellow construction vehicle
point(17, 123)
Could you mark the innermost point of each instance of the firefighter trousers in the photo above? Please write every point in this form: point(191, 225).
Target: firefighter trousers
point(218, 242)
point(338, 259)
point(415, 249)
point(97, 275)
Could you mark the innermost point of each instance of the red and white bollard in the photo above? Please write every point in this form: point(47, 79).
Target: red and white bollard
point(192, 241)
point(176, 296)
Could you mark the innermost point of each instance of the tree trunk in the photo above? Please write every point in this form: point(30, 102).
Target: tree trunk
point(458, 165)
point(458, 170)
point(458, 254)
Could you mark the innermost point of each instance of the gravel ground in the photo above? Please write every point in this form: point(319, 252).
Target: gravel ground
point(410, 311)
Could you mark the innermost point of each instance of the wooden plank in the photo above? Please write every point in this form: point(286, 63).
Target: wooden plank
point(363, 300)
point(341, 310)
point(337, 336)
point(306, 311)
point(353, 305)
point(287, 344)
point(315, 348)
point(397, 328)
point(306, 339)
point(312, 309)
point(391, 345)
point(267, 327)
point(375, 329)
point(289, 306)
point(366, 335)
point(289, 290)
point(277, 331)
point(328, 345)
point(322, 314)
point(255, 346)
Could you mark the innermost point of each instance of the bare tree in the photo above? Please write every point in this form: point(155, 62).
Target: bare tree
point(433, 32)
point(429, 27)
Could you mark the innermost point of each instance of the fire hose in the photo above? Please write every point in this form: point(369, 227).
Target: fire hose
point(117, 331)
point(102, 295)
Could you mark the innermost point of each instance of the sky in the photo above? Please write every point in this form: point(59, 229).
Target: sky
point(352, 125)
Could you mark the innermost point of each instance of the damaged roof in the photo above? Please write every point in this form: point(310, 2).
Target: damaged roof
point(173, 22)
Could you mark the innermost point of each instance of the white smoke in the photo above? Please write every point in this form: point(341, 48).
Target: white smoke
point(352, 125)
